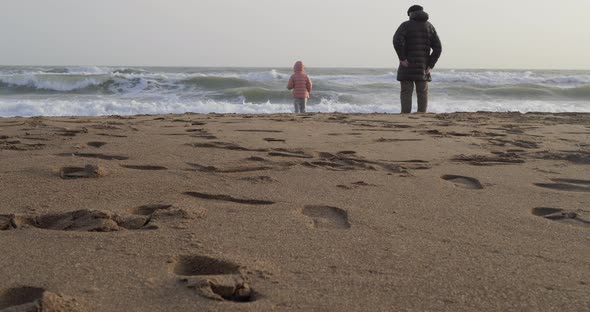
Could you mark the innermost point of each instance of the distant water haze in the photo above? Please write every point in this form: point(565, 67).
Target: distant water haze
point(64, 91)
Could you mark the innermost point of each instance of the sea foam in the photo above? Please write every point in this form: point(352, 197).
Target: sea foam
point(58, 91)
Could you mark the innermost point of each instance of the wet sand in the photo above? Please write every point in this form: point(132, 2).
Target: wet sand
point(312, 212)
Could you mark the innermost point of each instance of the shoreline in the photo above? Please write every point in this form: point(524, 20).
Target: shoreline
point(530, 113)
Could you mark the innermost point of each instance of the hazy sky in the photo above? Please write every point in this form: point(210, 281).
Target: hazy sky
point(322, 33)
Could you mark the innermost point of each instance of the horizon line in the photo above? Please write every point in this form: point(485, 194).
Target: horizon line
point(318, 67)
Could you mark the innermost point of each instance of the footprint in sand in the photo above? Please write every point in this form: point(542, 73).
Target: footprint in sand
point(257, 159)
point(326, 217)
point(213, 278)
point(201, 265)
point(195, 130)
point(147, 214)
point(205, 136)
point(463, 182)
point(71, 132)
point(397, 140)
point(34, 299)
point(80, 220)
point(203, 168)
point(201, 133)
point(7, 222)
point(274, 140)
point(144, 167)
point(517, 143)
point(229, 198)
point(577, 157)
point(112, 135)
point(572, 181)
point(91, 155)
point(349, 133)
point(259, 179)
point(96, 144)
point(261, 131)
point(228, 146)
point(293, 153)
point(579, 217)
point(16, 145)
point(88, 171)
point(348, 160)
point(355, 185)
point(276, 165)
point(108, 126)
point(569, 185)
point(147, 210)
point(483, 160)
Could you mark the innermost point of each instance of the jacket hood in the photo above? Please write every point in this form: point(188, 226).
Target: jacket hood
point(299, 67)
point(420, 16)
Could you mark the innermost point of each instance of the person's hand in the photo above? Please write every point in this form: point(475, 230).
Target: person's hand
point(428, 71)
point(404, 63)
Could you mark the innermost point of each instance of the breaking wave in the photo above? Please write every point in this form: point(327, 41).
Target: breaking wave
point(101, 90)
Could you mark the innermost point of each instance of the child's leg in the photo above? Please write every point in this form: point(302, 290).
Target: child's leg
point(299, 105)
point(296, 105)
point(303, 103)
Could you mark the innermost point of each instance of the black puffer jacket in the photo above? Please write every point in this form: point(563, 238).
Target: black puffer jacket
point(413, 41)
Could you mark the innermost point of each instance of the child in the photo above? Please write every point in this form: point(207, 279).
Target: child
point(301, 86)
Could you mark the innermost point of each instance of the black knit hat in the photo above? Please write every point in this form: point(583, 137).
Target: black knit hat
point(415, 8)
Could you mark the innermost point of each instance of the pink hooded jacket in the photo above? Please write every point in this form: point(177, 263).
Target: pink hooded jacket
point(300, 82)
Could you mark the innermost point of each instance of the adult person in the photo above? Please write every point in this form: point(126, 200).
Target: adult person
point(413, 42)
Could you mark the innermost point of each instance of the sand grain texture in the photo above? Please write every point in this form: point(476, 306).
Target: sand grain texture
point(311, 212)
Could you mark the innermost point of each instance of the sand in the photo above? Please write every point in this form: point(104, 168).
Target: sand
point(311, 212)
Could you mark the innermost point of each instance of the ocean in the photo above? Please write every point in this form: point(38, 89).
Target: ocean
point(92, 91)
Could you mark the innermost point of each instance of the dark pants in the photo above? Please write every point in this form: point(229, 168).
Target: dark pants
point(421, 92)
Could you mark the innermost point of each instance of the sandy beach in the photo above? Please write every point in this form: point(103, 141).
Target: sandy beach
point(311, 212)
